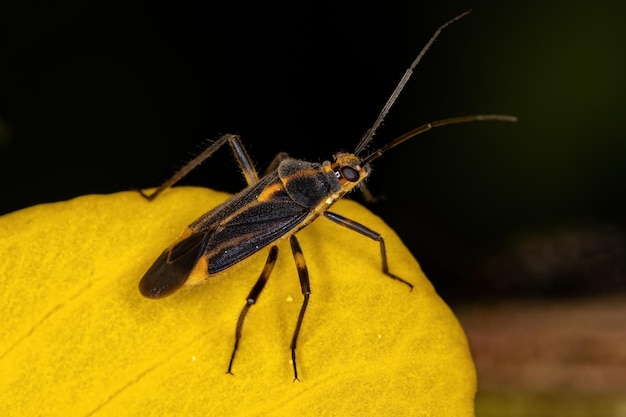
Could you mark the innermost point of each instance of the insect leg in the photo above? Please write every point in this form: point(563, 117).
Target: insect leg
point(251, 299)
point(303, 274)
point(243, 159)
point(274, 164)
point(365, 231)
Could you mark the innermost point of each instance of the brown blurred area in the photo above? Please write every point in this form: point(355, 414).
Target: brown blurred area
point(548, 334)
point(549, 357)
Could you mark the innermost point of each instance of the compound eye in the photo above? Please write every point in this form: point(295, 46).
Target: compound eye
point(350, 174)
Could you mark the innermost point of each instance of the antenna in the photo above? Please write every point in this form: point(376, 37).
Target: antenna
point(369, 134)
point(425, 128)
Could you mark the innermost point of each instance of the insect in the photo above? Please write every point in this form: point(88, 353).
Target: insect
point(291, 195)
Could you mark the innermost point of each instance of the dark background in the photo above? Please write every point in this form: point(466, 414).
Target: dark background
point(104, 98)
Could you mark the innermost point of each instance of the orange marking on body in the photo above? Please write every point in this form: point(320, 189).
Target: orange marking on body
point(199, 273)
point(268, 193)
point(185, 234)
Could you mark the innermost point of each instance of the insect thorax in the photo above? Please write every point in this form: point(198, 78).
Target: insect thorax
point(307, 183)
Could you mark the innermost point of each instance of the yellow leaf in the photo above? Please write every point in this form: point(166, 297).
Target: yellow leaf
point(77, 338)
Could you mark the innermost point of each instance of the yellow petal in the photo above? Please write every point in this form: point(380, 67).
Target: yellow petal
point(77, 338)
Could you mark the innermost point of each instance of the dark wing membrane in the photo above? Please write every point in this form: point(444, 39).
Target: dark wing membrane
point(170, 271)
point(250, 230)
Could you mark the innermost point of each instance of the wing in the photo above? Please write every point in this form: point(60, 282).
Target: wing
point(231, 232)
point(250, 230)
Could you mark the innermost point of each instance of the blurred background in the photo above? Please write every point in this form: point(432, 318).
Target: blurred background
point(520, 227)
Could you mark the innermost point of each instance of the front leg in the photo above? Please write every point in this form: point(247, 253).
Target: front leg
point(366, 231)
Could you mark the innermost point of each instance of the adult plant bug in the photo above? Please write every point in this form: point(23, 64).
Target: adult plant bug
point(291, 195)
